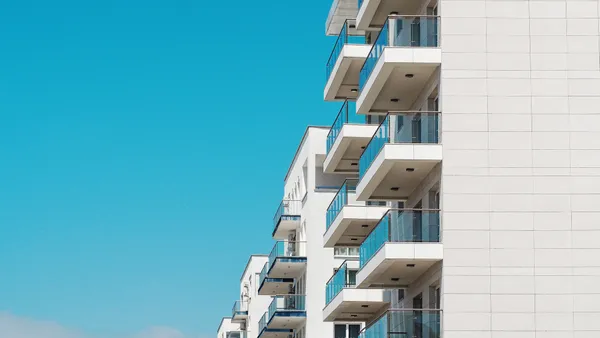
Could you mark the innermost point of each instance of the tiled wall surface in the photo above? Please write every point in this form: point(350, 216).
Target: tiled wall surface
point(521, 173)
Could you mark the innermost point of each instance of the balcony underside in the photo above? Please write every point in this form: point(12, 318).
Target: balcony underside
point(273, 333)
point(348, 305)
point(239, 317)
point(388, 79)
point(275, 286)
point(347, 148)
point(287, 267)
point(288, 319)
point(287, 224)
point(373, 14)
point(389, 170)
point(396, 260)
point(348, 228)
point(344, 76)
point(339, 12)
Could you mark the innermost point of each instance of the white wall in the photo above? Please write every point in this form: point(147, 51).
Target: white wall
point(227, 326)
point(521, 171)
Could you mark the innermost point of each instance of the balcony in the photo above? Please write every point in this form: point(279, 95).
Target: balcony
point(348, 136)
point(239, 313)
point(348, 221)
point(403, 61)
point(285, 314)
point(287, 218)
point(344, 63)
point(401, 153)
point(264, 332)
point(340, 11)
point(403, 245)
point(405, 323)
point(287, 261)
point(346, 303)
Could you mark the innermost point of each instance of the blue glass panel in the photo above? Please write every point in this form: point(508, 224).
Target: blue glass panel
point(339, 201)
point(262, 323)
point(401, 226)
point(374, 54)
point(413, 31)
point(343, 38)
point(346, 115)
point(336, 284)
point(287, 210)
point(405, 323)
point(422, 127)
point(287, 303)
point(379, 139)
point(263, 273)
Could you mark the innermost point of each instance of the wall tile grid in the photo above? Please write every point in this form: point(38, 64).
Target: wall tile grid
point(521, 173)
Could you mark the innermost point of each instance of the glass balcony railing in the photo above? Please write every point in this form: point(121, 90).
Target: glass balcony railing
point(286, 211)
point(263, 273)
point(348, 35)
point(405, 323)
point(339, 201)
point(400, 127)
point(286, 249)
point(401, 225)
point(346, 115)
point(401, 31)
point(287, 303)
point(343, 278)
point(262, 323)
point(239, 307)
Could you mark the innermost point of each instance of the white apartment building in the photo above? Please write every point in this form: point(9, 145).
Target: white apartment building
point(464, 168)
point(250, 306)
point(491, 146)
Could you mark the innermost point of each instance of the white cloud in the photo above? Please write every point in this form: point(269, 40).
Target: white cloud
point(20, 327)
point(12, 326)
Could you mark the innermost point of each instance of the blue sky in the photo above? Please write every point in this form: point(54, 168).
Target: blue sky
point(130, 134)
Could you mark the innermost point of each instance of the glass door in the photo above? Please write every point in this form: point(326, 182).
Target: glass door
point(417, 223)
point(415, 33)
point(418, 316)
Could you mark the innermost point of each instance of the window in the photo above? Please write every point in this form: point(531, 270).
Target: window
point(340, 331)
point(351, 277)
point(346, 330)
point(353, 331)
point(377, 203)
point(375, 119)
point(400, 296)
point(344, 251)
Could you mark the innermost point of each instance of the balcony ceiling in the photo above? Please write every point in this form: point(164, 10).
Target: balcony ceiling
point(402, 179)
point(339, 12)
point(407, 90)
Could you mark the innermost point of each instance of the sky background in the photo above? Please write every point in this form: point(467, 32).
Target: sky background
point(131, 133)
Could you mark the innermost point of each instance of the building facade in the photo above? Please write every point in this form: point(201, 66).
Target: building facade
point(463, 167)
